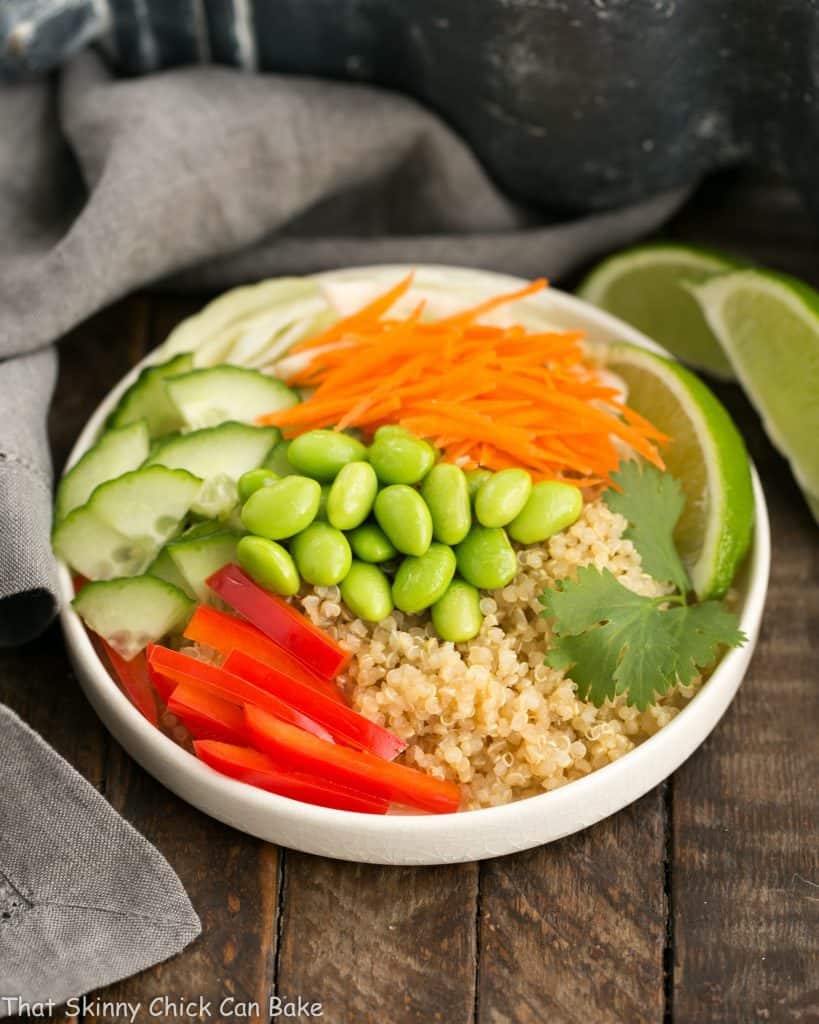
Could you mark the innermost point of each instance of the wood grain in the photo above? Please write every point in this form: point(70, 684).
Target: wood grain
point(575, 931)
point(378, 944)
point(746, 806)
point(231, 880)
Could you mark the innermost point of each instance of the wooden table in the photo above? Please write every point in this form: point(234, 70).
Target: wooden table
point(698, 903)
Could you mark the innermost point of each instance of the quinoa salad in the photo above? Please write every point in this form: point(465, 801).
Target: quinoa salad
point(395, 553)
point(490, 714)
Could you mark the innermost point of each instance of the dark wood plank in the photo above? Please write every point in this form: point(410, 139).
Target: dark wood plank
point(230, 878)
point(575, 931)
point(378, 944)
point(745, 849)
point(746, 806)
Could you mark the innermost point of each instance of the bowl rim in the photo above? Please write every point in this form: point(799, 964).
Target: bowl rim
point(708, 701)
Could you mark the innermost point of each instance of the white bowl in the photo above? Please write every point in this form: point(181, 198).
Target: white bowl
point(433, 839)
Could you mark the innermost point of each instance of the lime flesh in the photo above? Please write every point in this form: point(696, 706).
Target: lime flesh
point(706, 454)
point(647, 287)
point(769, 326)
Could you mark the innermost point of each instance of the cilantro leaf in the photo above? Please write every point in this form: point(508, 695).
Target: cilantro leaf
point(699, 630)
point(610, 640)
point(652, 502)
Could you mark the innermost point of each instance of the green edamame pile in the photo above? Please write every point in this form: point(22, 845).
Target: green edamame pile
point(392, 526)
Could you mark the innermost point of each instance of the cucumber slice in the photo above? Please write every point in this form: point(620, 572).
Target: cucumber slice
point(97, 550)
point(219, 393)
point(147, 398)
point(204, 529)
point(230, 448)
point(201, 557)
point(164, 568)
point(217, 499)
point(117, 451)
point(120, 529)
point(131, 613)
point(149, 502)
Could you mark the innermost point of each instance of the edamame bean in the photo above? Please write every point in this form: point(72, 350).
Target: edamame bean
point(269, 564)
point(392, 430)
point(371, 544)
point(421, 581)
point(366, 592)
point(277, 461)
point(457, 615)
point(251, 481)
point(475, 478)
point(400, 458)
point(486, 559)
point(551, 507)
point(322, 554)
point(501, 497)
point(447, 496)
point(320, 454)
point(403, 515)
point(352, 495)
point(283, 508)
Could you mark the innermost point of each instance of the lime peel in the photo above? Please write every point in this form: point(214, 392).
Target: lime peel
point(706, 454)
point(768, 323)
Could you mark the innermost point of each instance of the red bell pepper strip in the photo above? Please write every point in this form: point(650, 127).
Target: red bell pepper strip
point(163, 686)
point(207, 716)
point(133, 676)
point(280, 621)
point(257, 769)
point(342, 722)
point(294, 749)
point(226, 633)
point(182, 668)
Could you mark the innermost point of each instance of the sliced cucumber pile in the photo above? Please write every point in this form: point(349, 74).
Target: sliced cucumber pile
point(210, 396)
point(147, 398)
point(117, 451)
point(230, 449)
point(120, 529)
point(131, 613)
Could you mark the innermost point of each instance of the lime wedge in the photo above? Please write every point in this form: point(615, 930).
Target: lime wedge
point(769, 326)
point(645, 286)
point(706, 454)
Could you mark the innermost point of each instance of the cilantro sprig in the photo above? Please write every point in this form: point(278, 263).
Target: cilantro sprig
point(610, 640)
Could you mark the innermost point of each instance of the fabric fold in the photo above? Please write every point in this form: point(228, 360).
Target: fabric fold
point(66, 928)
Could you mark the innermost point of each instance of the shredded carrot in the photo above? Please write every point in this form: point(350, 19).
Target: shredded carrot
point(485, 395)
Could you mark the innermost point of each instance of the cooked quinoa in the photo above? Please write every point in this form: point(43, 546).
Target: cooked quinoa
point(489, 714)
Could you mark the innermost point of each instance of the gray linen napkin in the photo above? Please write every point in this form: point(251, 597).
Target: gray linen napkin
point(84, 899)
